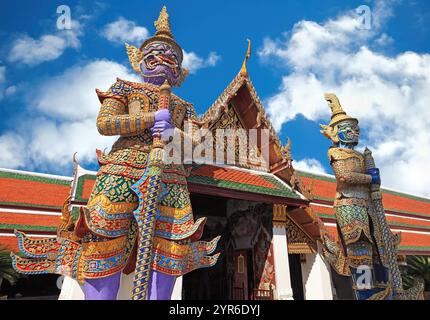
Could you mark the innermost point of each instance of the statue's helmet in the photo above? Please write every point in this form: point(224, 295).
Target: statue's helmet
point(342, 127)
point(159, 58)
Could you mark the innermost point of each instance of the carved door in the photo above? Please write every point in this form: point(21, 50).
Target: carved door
point(240, 275)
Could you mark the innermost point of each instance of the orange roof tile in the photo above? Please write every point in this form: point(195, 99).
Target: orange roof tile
point(32, 190)
point(233, 175)
point(9, 243)
point(12, 218)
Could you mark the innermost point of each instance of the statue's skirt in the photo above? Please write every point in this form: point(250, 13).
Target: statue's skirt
point(107, 229)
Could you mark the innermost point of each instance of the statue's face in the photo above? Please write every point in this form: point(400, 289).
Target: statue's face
point(161, 62)
point(348, 132)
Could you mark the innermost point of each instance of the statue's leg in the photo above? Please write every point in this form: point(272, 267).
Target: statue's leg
point(106, 227)
point(356, 236)
point(102, 288)
point(160, 286)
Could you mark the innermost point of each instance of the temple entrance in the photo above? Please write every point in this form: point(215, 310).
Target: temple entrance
point(209, 283)
point(296, 276)
point(245, 269)
point(242, 284)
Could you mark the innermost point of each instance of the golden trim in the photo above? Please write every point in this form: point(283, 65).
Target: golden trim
point(244, 70)
point(279, 215)
point(300, 248)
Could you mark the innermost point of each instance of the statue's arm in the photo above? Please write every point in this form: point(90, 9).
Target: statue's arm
point(114, 120)
point(343, 171)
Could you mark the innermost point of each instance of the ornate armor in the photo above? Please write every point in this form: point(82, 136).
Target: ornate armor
point(110, 208)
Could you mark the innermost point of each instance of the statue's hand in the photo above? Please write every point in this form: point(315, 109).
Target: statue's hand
point(162, 124)
point(162, 115)
point(376, 178)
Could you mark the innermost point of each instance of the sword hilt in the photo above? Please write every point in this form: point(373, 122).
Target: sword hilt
point(163, 103)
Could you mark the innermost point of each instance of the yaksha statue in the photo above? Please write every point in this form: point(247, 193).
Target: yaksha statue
point(367, 249)
point(139, 216)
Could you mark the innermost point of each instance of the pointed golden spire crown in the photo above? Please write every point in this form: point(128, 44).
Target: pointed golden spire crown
point(163, 33)
point(337, 112)
point(162, 25)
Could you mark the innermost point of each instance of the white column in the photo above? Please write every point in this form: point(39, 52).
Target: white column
point(280, 254)
point(177, 289)
point(316, 277)
point(71, 290)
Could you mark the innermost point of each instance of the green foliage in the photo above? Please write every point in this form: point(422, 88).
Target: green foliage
point(417, 267)
point(6, 270)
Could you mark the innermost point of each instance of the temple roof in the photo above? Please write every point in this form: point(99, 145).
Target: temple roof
point(221, 178)
point(32, 202)
point(25, 189)
point(405, 213)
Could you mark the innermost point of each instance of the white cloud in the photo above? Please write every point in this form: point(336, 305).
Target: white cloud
point(388, 94)
point(10, 91)
point(5, 90)
point(311, 165)
point(13, 153)
point(2, 74)
point(2, 81)
point(194, 63)
point(74, 89)
point(123, 30)
point(62, 119)
point(48, 47)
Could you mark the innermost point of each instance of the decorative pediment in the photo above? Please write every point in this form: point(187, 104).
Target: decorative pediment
point(298, 240)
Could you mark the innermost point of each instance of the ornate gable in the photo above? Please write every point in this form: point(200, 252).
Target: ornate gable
point(239, 107)
point(298, 240)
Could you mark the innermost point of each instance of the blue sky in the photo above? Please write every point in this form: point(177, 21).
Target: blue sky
point(300, 50)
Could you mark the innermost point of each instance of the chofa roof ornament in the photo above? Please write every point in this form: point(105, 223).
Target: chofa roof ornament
point(244, 70)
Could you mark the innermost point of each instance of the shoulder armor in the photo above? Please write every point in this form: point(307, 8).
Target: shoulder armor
point(335, 154)
point(151, 87)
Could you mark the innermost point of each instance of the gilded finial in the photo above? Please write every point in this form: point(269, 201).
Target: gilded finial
point(165, 88)
point(162, 25)
point(244, 70)
point(337, 112)
point(286, 150)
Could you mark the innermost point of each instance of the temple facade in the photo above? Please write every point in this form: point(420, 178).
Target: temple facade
point(271, 223)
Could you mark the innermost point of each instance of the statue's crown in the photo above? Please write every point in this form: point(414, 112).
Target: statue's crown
point(337, 112)
point(163, 33)
point(163, 24)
